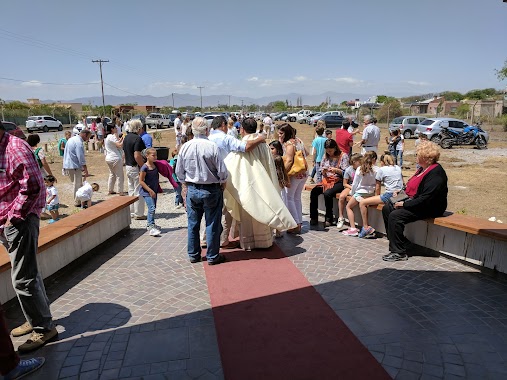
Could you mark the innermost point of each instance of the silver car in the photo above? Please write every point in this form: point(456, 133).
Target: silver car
point(433, 126)
point(406, 125)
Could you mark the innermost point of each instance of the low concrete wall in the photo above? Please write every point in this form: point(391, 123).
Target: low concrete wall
point(67, 250)
point(472, 248)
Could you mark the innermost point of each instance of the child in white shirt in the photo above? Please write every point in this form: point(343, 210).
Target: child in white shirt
point(52, 201)
point(348, 179)
point(363, 186)
point(85, 192)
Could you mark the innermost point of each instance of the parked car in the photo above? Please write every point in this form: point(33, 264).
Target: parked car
point(105, 120)
point(406, 125)
point(306, 119)
point(13, 129)
point(171, 118)
point(433, 126)
point(332, 120)
point(313, 119)
point(43, 123)
point(209, 118)
point(157, 120)
point(282, 116)
point(296, 116)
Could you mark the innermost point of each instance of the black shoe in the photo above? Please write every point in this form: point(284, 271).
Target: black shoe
point(197, 259)
point(395, 257)
point(221, 259)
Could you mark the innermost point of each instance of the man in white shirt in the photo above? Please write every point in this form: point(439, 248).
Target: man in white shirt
point(371, 135)
point(269, 126)
point(177, 123)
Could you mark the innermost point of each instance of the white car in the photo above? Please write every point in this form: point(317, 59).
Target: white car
point(209, 118)
point(43, 123)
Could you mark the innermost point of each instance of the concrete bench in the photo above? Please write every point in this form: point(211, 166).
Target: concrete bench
point(62, 242)
point(467, 238)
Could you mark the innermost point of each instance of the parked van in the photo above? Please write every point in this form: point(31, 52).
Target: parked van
point(407, 125)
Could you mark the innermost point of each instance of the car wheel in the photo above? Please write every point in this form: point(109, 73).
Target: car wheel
point(446, 143)
point(435, 139)
point(407, 134)
point(480, 142)
point(45, 128)
point(60, 127)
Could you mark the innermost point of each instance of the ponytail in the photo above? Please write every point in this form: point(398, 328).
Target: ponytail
point(369, 159)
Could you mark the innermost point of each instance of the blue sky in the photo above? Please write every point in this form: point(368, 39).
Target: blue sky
point(250, 48)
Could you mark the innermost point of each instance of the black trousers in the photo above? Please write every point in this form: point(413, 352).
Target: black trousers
point(395, 221)
point(329, 195)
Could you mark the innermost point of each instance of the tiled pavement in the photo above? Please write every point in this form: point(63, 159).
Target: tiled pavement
point(138, 309)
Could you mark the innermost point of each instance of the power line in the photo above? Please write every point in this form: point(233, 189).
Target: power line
point(127, 92)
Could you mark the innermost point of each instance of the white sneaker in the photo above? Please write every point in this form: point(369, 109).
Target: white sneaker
point(154, 231)
point(340, 223)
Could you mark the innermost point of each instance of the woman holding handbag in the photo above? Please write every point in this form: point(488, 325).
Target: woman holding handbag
point(294, 158)
point(333, 166)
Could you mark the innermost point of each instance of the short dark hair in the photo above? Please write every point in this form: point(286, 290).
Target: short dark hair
point(217, 122)
point(178, 114)
point(346, 124)
point(33, 139)
point(249, 125)
point(110, 127)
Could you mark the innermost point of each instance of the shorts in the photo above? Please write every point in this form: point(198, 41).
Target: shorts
point(386, 196)
point(360, 196)
point(83, 199)
point(52, 207)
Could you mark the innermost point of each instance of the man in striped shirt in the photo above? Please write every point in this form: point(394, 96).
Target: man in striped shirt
point(22, 198)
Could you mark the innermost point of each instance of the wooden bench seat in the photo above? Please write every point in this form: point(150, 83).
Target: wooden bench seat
point(52, 234)
point(458, 222)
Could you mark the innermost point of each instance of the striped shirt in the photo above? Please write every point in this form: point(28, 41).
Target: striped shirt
point(200, 162)
point(22, 189)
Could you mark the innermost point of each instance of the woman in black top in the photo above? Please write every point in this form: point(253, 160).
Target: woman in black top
point(427, 191)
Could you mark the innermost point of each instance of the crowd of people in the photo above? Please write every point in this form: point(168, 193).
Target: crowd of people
point(237, 190)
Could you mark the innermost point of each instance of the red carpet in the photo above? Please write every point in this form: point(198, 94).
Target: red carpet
point(272, 324)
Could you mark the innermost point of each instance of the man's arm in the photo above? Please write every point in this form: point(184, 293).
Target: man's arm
point(250, 144)
point(139, 158)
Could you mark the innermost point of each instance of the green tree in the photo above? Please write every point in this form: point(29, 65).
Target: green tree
point(278, 106)
point(502, 73)
point(463, 110)
point(452, 95)
point(389, 110)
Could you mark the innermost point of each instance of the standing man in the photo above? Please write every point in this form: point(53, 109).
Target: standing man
point(203, 175)
point(147, 139)
point(371, 135)
point(22, 197)
point(226, 144)
point(177, 124)
point(74, 161)
point(269, 125)
point(133, 145)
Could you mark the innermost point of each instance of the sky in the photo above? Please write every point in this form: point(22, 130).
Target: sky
point(249, 48)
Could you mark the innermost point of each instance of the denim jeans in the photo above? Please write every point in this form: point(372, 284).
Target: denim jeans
point(151, 204)
point(204, 200)
point(21, 243)
point(399, 158)
point(178, 200)
point(318, 172)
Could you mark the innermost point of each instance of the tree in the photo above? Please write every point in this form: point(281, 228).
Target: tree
point(384, 98)
point(278, 106)
point(463, 110)
point(389, 110)
point(502, 73)
point(452, 95)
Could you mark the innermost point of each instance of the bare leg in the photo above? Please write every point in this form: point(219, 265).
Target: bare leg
point(341, 202)
point(350, 212)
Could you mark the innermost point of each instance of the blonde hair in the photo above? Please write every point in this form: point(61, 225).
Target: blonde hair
point(355, 157)
point(428, 151)
point(368, 161)
point(321, 123)
point(135, 125)
point(95, 186)
point(387, 160)
point(151, 150)
point(230, 123)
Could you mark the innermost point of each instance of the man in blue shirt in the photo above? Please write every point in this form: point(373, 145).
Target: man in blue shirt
point(74, 161)
point(318, 145)
point(148, 140)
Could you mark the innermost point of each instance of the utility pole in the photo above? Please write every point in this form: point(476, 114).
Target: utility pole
point(172, 94)
point(200, 93)
point(229, 101)
point(100, 62)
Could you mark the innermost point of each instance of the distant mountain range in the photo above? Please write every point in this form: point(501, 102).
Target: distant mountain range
point(181, 100)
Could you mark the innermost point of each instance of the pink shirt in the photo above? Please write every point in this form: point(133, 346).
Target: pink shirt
point(22, 189)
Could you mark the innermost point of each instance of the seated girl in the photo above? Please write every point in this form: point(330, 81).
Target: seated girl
point(363, 186)
point(390, 176)
point(348, 178)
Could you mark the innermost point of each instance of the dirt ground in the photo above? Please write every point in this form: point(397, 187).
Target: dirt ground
point(477, 178)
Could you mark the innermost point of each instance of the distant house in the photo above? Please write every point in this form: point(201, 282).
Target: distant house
point(485, 108)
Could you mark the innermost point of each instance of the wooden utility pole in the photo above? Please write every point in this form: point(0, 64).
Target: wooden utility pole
point(172, 94)
point(100, 62)
point(200, 93)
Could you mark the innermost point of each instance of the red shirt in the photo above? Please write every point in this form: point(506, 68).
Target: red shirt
point(22, 189)
point(343, 139)
point(414, 181)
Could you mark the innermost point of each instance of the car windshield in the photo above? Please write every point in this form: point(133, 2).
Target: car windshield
point(398, 120)
point(428, 122)
point(32, 118)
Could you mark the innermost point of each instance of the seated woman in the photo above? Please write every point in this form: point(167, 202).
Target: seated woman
point(333, 165)
point(388, 175)
point(348, 179)
point(427, 192)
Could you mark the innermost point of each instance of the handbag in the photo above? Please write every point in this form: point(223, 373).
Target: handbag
point(400, 197)
point(299, 165)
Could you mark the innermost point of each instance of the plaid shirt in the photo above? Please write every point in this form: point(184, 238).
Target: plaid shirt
point(22, 189)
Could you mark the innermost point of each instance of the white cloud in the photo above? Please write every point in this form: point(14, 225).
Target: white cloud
point(348, 80)
point(32, 83)
point(416, 83)
point(300, 78)
point(253, 79)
